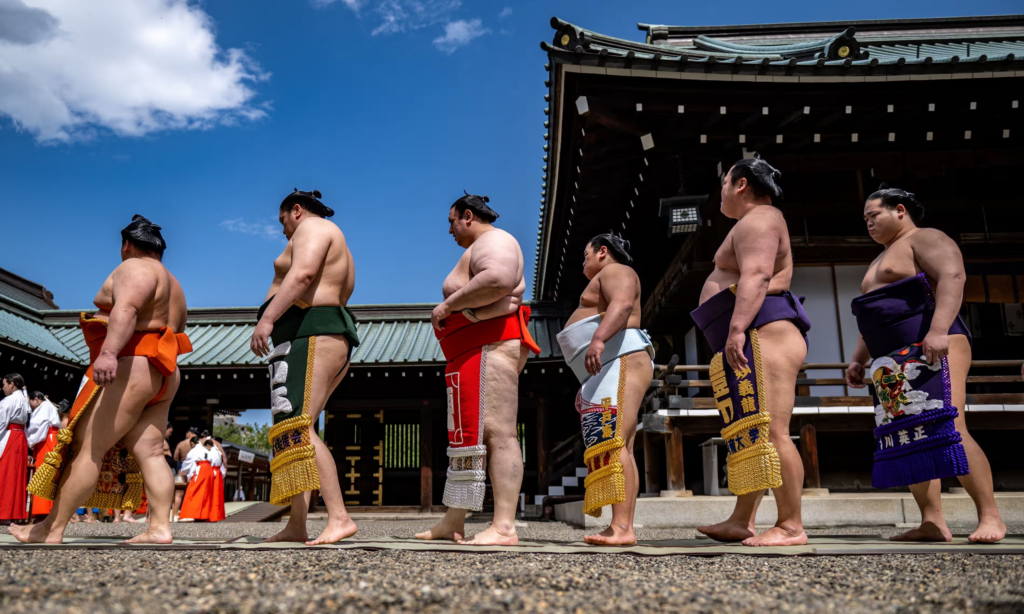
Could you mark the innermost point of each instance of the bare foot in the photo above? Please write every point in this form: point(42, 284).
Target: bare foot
point(335, 532)
point(131, 520)
point(612, 536)
point(491, 537)
point(91, 520)
point(36, 534)
point(75, 519)
point(443, 531)
point(152, 536)
point(989, 531)
point(728, 531)
point(927, 532)
point(778, 536)
point(288, 534)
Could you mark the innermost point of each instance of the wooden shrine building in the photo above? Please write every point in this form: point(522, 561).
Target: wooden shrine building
point(638, 136)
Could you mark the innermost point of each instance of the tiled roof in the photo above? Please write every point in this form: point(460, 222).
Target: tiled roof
point(24, 291)
point(27, 332)
point(220, 337)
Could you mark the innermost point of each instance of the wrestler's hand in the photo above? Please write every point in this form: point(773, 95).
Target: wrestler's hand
point(855, 375)
point(260, 343)
point(440, 312)
point(104, 370)
point(734, 350)
point(593, 358)
point(934, 347)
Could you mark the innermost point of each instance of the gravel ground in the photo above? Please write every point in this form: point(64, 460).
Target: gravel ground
point(395, 581)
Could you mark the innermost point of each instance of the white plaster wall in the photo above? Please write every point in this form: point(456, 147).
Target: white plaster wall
point(848, 279)
point(816, 284)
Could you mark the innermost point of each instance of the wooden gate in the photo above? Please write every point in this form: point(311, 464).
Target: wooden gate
point(359, 454)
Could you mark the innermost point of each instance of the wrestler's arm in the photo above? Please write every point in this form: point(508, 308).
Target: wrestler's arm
point(309, 249)
point(134, 286)
point(618, 289)
point(941, 260)
point(494, 264)
point(756, 246)
point(855, 370)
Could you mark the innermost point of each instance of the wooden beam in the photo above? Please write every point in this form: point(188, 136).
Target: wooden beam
point(674, 459)
point(809, 455)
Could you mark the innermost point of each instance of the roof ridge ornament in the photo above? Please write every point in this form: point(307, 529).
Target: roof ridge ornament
point(839, 47)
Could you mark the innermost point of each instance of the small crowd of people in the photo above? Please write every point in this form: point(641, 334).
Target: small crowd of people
point(29, 427)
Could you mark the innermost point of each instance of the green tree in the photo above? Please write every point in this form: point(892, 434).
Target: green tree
point(253, 436)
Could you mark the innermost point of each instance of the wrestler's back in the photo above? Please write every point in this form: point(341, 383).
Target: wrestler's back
point(727, 269)
point(336, 279)
point(592, 301)
point(897, 262)
point(462, 274)
point(167, 307)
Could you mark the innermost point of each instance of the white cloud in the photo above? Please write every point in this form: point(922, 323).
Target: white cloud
point(355, 5)
point(132, 67)
point(255, 229)
point(459, 34)
point(399, 15)
point(505, 12)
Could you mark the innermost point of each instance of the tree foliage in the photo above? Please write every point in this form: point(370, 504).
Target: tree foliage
point(249, 435)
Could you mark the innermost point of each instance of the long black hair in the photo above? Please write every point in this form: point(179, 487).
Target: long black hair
point(617, 246)
point(310, 201)
point(762, 177)
point(15, 379)
point(144, 235)
point(891, 198)
point(476, 204)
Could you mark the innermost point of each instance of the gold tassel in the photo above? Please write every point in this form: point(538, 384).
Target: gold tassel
point(294, 470)
point(607, 485)
point(44, 481)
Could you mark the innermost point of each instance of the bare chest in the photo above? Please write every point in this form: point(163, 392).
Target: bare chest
point(459, 276)
point(283, 263)
point(725, 257)
point(894, 264)
point(105, 297)
point(591, 296)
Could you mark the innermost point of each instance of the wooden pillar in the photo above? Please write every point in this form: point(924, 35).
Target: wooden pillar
point(426, 460)
point(809, 454)
point(652, 461)
point(252, 482)
point(542, 445)
point(674, 458)
point(313, 498)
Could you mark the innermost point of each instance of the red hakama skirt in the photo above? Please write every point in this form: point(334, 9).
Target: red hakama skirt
point(204, 498)
point(14, 475)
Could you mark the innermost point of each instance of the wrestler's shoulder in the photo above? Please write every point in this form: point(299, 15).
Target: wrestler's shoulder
point(318, 226)
point(616, 270)
point(928, 235)
point(496, 239)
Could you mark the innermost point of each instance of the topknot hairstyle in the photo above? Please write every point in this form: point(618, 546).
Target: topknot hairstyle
point(144, 235)
point(762, 177)
point(617, 246)
point(476, 204)
point(64, 406)
point(310, 201)
point(893, 197)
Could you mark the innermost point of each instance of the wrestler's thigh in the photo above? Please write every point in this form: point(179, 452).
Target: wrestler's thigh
point(146, 439)
point(959, 361)
point(783, 352)
point(329, 360)
point(639, 373)
point(501, 405)
point(119, 405)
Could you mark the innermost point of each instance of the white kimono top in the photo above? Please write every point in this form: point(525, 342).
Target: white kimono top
point(43, 417)
point(14, 409)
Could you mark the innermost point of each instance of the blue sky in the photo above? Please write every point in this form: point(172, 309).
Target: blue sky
point(390, 109)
